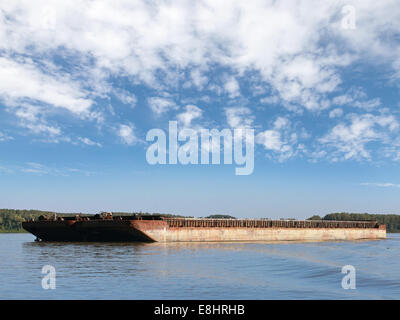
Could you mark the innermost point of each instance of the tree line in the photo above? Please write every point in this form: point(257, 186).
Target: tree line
point(392, 221)
point(11, 219)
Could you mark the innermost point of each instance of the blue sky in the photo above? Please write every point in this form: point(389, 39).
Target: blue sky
point(82, 83)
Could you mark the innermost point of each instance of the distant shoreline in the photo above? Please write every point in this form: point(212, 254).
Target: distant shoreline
point(11, 219)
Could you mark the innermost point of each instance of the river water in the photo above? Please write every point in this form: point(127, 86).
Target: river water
point(287, 270)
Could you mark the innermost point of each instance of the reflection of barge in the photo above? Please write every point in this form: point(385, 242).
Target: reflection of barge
point(105, 227)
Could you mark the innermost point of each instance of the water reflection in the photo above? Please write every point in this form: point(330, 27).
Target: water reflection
point(235, 270)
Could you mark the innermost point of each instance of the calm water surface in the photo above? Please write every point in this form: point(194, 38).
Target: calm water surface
point(308, 270)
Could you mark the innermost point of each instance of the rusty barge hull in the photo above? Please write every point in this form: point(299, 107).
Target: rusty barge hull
point(160, 229)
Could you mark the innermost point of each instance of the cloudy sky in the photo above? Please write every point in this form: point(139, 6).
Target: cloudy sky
point(81, 83)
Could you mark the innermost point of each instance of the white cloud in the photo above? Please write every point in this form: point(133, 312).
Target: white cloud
point(336, 113)
point(270, 100)
point(127, 134)
point(42, 128)
point(198, 78)
point(342, 100)
point(239, 117)
point(31, 94)
point(280, 139)
point(281, 123)
point(271, 139)
point(65, 55)
point(232, 87)
point(306, 79)
point(278, 40)
point(161, 105)
point(23, 80)
point(369, 104)
point(32, 118)
point(356, 97)
point(89, 142)
point(126, 97)
point(381, 184)
point(349, 141)
point(5, 137)
point(282, 41)
point(33, 167)
point(41, 169)
point(192, 112)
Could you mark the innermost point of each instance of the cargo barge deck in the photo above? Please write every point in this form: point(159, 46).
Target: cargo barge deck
point(166, 229)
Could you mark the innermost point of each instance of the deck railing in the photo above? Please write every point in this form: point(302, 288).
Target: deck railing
point(264, 223)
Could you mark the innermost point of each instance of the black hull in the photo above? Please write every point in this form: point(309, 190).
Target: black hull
point(84, 232)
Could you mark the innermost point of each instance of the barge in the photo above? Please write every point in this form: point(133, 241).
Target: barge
point(105, 227)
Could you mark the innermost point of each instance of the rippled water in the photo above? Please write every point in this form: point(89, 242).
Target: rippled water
point(306, 270)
